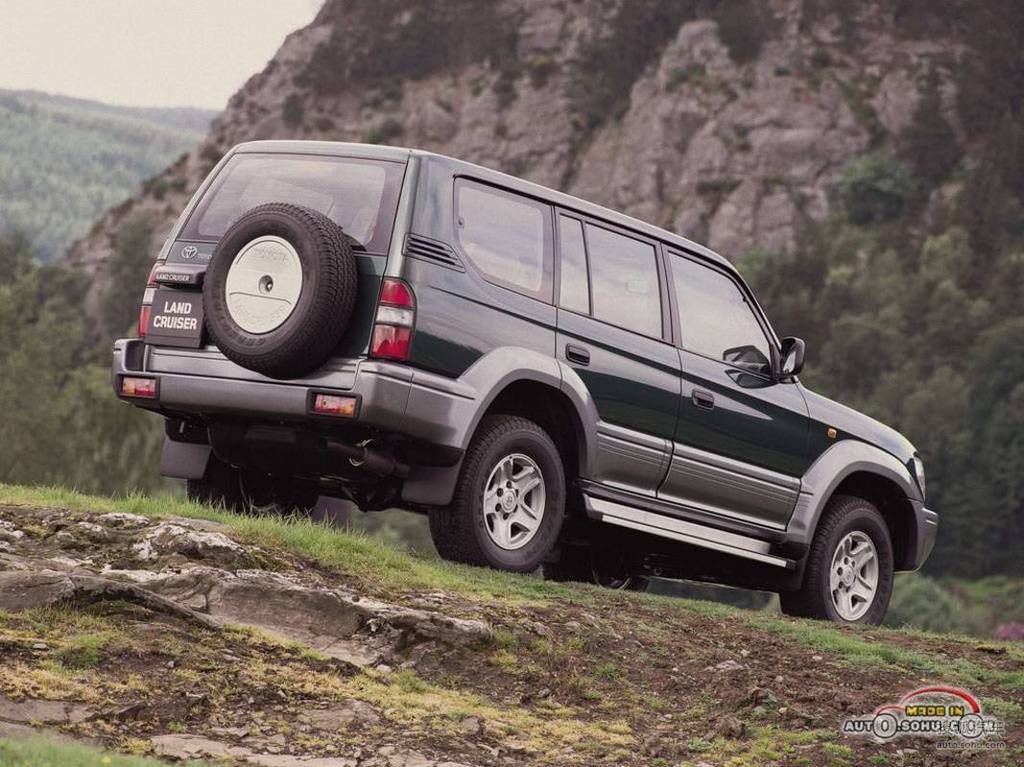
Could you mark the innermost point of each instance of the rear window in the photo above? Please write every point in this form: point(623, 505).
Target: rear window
point(361, 196)
point(508, 237)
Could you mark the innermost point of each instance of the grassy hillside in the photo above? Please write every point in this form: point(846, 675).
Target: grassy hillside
point(569, 675)
point(64, 161)
point(49, 752)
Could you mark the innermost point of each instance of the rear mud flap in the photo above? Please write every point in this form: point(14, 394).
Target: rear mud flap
point(183, 460)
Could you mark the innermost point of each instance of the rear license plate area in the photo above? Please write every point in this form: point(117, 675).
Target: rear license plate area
point(176, 319)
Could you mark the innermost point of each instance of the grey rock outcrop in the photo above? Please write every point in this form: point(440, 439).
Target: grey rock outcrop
point(192, 569)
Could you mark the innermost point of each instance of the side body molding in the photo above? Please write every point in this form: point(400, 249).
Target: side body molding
point(830, 469)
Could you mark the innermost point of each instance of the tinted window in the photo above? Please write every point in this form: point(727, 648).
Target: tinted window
point(359, 195)
point(715, 318)
point(508, 237)
point(624, 281)
point(575, 286)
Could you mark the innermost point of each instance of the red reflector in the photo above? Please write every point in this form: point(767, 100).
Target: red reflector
point(138, 387)
point(391, 342)
point(396, 293)
point(143, 320)
point(329, 404)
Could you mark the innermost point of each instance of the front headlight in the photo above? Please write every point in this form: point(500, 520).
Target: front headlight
point(919, 472)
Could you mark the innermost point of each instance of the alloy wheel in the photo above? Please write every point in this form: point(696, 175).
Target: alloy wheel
point(513, 501)
point(853, 577)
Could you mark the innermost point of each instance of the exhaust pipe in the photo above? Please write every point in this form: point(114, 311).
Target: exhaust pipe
point(376, 461)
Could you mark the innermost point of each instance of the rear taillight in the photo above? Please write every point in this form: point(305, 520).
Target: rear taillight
point(143, 319)
point(151, 282)
point(396, 317)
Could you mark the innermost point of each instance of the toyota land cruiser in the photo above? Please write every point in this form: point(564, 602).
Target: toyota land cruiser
point(556, 385)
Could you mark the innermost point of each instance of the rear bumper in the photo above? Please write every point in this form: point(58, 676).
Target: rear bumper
point(392, 397)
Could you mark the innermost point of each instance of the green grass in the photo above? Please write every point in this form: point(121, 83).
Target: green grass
point(44, 752)
point(84, 650)
point(859, 651)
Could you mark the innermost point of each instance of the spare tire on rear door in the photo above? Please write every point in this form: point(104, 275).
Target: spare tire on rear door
point(280, 290)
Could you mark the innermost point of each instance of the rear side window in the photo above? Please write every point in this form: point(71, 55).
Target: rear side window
point(716, 319)
point(574, 290)
point(508, 237)
point(361, 196)
point(624, 281)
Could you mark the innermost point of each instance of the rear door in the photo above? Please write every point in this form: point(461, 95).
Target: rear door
point(359, 193)
point(740, 445)
point(615, 333)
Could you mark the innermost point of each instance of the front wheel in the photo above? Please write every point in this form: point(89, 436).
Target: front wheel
point(509, 503)
point(849, 573)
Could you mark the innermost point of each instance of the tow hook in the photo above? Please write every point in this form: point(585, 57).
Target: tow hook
point(369, 458)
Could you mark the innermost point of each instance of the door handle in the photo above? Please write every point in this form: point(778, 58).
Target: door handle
point(704, 399)
point(577, 354)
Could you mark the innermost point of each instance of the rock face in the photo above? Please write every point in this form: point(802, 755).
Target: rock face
point(728, 127)
point(191, 569)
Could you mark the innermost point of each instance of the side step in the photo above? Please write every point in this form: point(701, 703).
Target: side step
point(685, 532)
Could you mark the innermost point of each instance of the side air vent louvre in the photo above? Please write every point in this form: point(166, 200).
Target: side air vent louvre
point(419, 246)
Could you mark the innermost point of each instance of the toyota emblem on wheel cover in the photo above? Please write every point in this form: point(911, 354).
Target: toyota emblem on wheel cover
point(189, 252)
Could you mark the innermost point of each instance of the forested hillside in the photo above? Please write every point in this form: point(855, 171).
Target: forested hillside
point(861, 163)
point(65, 161)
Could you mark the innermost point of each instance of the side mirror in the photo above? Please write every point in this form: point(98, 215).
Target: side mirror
point(792, 355)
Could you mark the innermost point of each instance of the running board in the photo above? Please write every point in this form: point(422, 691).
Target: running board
point(685, 532)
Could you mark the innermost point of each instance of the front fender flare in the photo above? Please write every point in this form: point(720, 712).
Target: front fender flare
point(827, 473)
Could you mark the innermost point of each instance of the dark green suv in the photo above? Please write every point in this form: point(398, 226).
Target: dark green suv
point(554, 384)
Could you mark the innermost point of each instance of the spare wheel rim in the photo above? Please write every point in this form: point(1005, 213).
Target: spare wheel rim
point(263, 285)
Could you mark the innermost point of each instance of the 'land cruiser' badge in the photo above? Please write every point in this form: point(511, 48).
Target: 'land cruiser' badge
point(176, 319)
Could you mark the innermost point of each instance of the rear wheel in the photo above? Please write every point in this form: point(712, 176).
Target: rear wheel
point(849, 572)
point(250, 492)
point(586, 564)
point(510, 499)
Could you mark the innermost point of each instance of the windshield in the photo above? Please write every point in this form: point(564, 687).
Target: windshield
point(359, 195)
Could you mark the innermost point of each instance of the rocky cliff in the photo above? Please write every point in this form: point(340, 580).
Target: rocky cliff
point(727, 122)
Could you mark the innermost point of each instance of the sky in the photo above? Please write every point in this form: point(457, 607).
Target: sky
point(143, 52)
